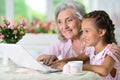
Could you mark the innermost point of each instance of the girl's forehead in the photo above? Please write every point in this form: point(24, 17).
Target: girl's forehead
point(88, 20)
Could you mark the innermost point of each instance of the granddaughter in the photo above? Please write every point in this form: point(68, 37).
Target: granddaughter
point(98, 32)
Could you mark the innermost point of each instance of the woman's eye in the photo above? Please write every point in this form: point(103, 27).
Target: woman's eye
point(59, 22)
point(69, 20)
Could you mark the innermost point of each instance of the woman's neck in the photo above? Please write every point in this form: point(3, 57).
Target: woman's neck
point(76, 38)
point(77, 45)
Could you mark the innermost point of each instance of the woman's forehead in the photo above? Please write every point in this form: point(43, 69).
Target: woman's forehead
point(66, 12)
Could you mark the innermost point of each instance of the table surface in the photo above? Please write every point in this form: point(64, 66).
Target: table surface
point(13, 72)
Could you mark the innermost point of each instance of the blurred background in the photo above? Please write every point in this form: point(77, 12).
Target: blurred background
point(43, 10)
point(39, 15)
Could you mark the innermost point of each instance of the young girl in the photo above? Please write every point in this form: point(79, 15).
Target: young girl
point(98, 33)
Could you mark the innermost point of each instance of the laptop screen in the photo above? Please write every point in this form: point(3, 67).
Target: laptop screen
point(20, 56)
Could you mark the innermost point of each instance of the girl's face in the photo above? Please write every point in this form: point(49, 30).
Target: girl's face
point(91, 34)
point(69, 25)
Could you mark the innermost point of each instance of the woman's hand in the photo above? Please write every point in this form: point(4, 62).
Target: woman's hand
point(41, 57)
point(58, 64)
point(115, 49)
point(47, 59)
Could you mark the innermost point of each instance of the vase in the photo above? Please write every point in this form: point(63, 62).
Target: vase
point(5, 53)
point(5, 59)
point(10, 41)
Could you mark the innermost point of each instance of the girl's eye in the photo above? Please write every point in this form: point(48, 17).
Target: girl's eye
point(86, 30)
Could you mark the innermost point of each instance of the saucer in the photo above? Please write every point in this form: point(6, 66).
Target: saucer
point(81, 73)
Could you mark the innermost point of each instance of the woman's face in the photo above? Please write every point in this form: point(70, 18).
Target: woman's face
point(69, 25)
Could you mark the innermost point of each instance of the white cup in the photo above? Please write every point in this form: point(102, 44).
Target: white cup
point(75, 66)
point(66, 68)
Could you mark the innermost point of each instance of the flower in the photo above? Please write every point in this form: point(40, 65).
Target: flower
point(11, 32)
point(36, 26)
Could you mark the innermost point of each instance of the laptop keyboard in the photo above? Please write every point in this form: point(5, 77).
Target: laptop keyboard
point(49, 69)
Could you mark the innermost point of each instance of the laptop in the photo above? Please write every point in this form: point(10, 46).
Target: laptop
point(21, 57)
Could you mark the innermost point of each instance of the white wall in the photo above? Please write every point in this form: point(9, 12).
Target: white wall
point(112, 7)
point(35, 43)
point(9, 9)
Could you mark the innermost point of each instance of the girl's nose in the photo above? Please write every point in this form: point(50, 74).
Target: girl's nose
point(83, 35)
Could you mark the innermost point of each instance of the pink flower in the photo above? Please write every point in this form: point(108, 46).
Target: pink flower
point(2, 25)
point(3, 18)
point(26, 27)
point(43, 24)
point(13, 28)
point(15, 32)
point(1, 36)
point(35, 32)
point(23, 22)
point(8, 23)
point(48, 25)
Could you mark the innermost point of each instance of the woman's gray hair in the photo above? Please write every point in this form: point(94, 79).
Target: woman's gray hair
point(79, 11)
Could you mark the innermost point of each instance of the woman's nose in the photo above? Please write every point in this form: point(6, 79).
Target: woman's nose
point(66, 26)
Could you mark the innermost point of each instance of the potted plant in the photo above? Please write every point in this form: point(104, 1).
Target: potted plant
point(11, 32)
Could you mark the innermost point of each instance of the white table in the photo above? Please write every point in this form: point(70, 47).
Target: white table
point(13, 72)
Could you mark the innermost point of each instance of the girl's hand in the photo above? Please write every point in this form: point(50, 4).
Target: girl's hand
point(115, 49)
point(47, 59)
point(58, 64)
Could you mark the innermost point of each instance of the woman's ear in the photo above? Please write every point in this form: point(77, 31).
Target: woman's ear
point(102, 32)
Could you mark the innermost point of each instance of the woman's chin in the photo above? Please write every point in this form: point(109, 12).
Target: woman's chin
point(88, 45)
point(68, 37)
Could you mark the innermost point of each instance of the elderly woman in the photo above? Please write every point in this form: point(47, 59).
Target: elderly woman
point(68, 18)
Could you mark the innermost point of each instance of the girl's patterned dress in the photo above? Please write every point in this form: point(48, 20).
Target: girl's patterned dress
point(99, 59)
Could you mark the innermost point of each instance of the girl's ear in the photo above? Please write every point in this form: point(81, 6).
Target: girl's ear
point(102, 32)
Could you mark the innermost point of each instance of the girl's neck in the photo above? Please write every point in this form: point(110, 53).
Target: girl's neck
point(99, 47)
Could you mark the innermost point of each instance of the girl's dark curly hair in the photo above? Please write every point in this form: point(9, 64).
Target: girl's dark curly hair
point(103, 21)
